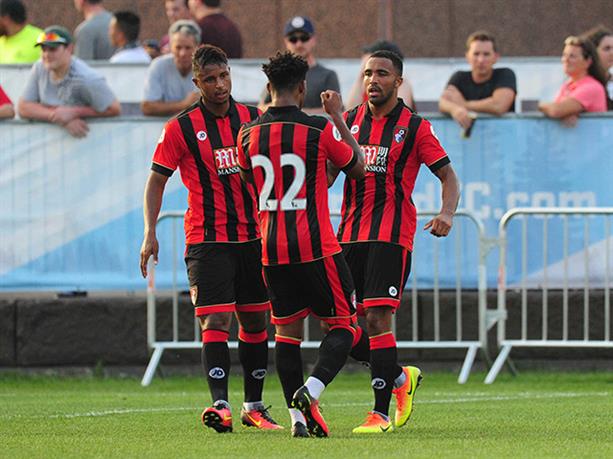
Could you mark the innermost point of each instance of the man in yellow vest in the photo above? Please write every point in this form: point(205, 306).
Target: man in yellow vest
point(17, 37)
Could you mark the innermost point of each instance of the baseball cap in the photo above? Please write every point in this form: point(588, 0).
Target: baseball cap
point(299, 24)
point(54, 35)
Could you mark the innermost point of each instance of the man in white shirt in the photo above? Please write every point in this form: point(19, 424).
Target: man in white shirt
point(123, 32)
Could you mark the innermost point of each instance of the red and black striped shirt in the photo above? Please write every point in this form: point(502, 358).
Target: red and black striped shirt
point(221, 207)
point(287, 150)
point(379, 206)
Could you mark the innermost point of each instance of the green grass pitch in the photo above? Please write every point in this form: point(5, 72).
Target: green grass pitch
point(554, 415)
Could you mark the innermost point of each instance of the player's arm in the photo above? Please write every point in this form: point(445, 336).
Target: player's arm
point(7, 111)
point(154, 190)
point(244, 163)
point(440, 225)
point(498, 103)
point(333, 106)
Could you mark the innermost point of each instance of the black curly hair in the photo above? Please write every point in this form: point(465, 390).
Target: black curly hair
point(285, 71)
point(206, 55)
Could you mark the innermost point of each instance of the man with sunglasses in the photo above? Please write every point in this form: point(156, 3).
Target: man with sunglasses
point(63, 89)
point(300, 39)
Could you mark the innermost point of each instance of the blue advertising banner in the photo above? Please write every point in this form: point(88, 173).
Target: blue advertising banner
point(71, 215)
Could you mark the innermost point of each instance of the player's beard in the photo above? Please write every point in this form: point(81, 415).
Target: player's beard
point(382, 99)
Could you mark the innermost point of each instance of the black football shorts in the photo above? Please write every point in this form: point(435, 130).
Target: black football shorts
point(226, 277)
point(323, 288)
point(380, 270)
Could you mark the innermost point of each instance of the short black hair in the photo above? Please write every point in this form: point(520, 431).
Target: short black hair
point(392, 56)
point(129, 23)
point(212, 3)
point(207, 55)
point(285, 71)
point(14, 9)
point(381, 45)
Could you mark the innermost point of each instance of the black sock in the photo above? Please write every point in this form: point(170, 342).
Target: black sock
point(254, 360)
point(288, 361)
point(216, 364)
point(384, 369)
point(361, 350)
point(333, 353)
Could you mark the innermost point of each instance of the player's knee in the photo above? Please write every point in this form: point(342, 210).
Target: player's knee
point(378, 320)
point(291, 330)
point(324, 327)
point(338, 339)
point(216, 321)
point(252, 322)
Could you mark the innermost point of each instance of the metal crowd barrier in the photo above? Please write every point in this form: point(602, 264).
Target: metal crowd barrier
point(459, 341)
point(543, 338)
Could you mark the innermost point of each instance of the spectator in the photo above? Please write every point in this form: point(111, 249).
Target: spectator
point(123, 33)
point(6, 106)
point(602, 39)
point(217, 28)
point(300, 39)
point(168, 86)
point(63, 89)
point(483, 89)
point(357, 95)
point(92, 35)
point(17, 37)
point(152, 47)
point(175, 10)
point(584, 91)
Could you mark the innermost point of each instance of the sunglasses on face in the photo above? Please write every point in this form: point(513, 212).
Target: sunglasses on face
point(297, 38)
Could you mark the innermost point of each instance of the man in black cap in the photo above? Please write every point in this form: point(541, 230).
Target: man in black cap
point(300, 39)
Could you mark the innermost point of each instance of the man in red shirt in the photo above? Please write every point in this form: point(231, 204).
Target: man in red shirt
point(284, 152)
point(223, 254)
point(378, 224)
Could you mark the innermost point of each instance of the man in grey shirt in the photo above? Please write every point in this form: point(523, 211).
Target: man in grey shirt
point(92, 35)
point(63, 89)
point(168, 85)
point(300, 39)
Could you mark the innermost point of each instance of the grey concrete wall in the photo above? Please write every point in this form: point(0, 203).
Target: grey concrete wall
point(112, 331)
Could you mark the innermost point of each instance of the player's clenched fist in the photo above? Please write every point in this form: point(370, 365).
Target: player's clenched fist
point(331, 102)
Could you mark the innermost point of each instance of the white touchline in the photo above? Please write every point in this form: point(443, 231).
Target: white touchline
point(476, 397)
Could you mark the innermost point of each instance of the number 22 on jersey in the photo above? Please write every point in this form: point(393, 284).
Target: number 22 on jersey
point(289, 200)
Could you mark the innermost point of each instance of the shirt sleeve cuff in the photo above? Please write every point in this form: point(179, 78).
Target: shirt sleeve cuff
point(440, 163)
point(351, 163)
point(161, 169)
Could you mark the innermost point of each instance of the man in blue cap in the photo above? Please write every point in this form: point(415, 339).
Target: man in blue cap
point(300, 39)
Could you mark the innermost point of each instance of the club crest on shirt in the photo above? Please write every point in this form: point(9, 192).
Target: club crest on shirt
point(336, 134)
point(201, 135)
point(400, 133)
point(355, 129)
point(375, 157)
point(226, 160)
point(162, 135)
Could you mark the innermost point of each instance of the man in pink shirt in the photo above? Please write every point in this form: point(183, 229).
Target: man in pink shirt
point(584, 91)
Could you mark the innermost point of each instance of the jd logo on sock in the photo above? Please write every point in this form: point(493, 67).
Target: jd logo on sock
point(259, 373)
point(378, 383)
point(217, 373)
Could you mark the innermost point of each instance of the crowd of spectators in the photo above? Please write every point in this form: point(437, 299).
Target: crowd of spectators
point(63, 89)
